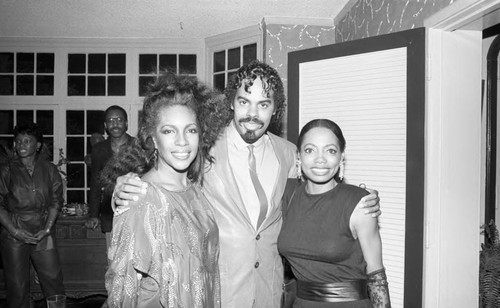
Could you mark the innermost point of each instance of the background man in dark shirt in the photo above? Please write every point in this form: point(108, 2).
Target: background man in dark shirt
point(100, 212)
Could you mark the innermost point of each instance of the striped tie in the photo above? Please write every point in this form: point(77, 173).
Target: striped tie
point(258, 187)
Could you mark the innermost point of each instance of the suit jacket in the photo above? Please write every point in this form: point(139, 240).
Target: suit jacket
point(250, 267)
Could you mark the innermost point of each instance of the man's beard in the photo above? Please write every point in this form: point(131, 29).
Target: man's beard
point(250, 136)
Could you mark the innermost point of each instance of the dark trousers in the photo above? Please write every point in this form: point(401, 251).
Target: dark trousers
point(16, 257)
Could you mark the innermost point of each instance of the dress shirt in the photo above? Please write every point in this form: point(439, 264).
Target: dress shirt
point(266, 165)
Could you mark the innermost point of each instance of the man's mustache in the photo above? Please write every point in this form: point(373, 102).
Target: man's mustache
point(251, 119)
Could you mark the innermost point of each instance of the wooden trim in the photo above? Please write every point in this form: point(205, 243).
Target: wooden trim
point(462, 15)
point(310, 21)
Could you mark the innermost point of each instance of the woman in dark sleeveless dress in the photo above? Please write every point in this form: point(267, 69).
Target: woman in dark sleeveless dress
point(334, 250)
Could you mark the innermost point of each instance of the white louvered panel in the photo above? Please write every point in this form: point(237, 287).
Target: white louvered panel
point(366, 96)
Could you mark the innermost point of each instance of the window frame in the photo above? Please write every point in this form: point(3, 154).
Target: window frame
point(60, 102)
point(230, 40)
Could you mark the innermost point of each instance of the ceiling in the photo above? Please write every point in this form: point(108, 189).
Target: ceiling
point(150, 18)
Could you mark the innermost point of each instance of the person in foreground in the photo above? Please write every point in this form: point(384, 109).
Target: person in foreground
point(165, 248)
point(245, 186)
point(333, 248)
point(31, 195)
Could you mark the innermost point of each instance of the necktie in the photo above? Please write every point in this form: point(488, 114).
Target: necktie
point(258, 187)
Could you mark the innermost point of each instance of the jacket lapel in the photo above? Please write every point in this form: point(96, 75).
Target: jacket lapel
point(274, 210)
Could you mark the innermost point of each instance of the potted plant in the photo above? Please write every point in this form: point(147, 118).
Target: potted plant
point(489, 268)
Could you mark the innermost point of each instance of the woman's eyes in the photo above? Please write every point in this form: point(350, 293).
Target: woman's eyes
point(189, 130)
point(329, 151)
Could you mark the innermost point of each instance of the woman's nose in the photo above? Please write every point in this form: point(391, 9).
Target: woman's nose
point(181, 139)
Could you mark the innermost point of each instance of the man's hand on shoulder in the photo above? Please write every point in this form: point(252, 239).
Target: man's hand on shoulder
point(370, 202)
point(128, 188)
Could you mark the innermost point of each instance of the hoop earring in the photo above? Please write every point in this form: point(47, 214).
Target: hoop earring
point(298, 169)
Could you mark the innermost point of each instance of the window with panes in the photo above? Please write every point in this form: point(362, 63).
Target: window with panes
point(91, 82)
point(96, 74)
point(26, 73)
point(226, 62)
point(11, 117)
point(151, 65)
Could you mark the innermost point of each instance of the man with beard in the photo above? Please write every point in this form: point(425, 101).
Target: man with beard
point(245, 186)
point(100, 212)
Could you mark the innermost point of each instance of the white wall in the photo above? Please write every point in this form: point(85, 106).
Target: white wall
point(453, 160)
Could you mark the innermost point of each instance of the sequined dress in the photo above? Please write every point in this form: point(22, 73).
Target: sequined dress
point(165, 252)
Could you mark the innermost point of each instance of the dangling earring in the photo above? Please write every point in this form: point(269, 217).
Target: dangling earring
point(155, 158)
point(298, 169)
point(341, 171)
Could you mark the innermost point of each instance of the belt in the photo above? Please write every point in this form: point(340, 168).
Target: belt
point(332, 292)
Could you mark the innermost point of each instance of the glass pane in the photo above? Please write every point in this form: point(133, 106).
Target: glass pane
point(219, 81)
point(6, 85)
point(24, 117)
point(116, 86)
point(75, 196)
point(76, 63)
point(97, 86)
point(48, 148)
point(147, 64)
point(116, 63)
point(233, 58)
point(74, 122)
point(187, 64)
point(6, 122)
point(143, 84)
point(44, 85)
point(45, 63)
point(6, 62)
point(230, 75)
point(75, 148)
point(220, 61)
point(95, 121)
point(168, 63)
point(25, 62)
point(25, 85)
point(89, 175)
point(45, 119)
point(6, 149)
point(97, 63)
point(76, 175)
point(249, 53)
point(76, 85)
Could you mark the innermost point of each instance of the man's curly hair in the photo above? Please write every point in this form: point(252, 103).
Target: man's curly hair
point(170, 90)
point(271, 81)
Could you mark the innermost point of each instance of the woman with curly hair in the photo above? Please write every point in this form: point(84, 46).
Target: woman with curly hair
point(31, 194)
point(165, 247)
